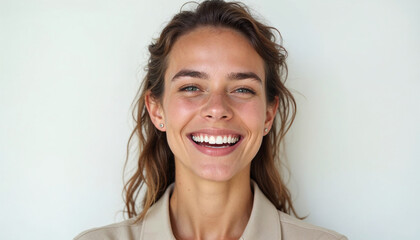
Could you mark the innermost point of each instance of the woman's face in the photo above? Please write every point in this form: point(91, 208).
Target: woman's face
point(214, 105)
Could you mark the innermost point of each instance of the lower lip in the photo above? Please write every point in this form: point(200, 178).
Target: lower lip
point(217, 152)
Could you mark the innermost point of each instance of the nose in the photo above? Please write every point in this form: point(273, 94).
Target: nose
point(216, 108)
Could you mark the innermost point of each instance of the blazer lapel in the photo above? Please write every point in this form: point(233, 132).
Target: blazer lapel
point(264, 222)
point(157, 224)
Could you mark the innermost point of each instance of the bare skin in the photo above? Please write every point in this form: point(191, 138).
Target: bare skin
point(215, 86)
point(210, 210)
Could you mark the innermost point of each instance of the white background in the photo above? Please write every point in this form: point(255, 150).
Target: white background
point(69, 70)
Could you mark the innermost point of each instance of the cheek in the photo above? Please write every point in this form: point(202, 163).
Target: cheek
point(252, 112)
point(178, 110)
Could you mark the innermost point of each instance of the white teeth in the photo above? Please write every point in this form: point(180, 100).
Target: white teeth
point(215, 139)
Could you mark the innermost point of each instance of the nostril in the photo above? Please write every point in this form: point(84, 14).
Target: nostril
point(216, 109)
point(221, 117)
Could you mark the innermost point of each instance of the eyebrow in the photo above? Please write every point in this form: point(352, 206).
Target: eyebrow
point(203, 75)
point(190, 73)
point(244, 75)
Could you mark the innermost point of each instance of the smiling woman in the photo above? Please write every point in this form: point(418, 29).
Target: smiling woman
point(211, 114)
point(221, 97)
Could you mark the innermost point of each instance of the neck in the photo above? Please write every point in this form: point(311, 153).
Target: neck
point(202, 209)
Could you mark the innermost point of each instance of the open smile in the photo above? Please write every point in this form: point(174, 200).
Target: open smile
point(215, 144)
point(215, 141)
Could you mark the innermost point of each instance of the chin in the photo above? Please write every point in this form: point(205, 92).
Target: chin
point(217, 173)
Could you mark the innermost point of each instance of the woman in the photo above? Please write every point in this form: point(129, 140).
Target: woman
point(210, 117)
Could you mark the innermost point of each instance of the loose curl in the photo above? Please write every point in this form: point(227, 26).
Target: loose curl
point(155, 166)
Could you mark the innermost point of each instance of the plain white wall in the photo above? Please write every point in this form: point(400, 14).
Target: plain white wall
point(69, 70)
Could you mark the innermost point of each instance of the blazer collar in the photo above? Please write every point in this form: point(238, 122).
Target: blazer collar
point(157, 223)
point(264, 222)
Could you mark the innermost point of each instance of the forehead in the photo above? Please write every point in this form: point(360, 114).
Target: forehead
point(214, 49)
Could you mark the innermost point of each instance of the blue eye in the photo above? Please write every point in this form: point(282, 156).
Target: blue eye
point(190, 89)
point(244, 90)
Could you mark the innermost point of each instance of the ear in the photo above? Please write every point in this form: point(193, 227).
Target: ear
point(270, 114)
point(155, 112)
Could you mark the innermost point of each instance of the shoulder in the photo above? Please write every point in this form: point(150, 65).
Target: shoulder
point(293, 228)
point(125, 230)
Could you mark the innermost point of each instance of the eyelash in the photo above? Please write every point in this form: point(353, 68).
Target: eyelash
point(245, 91)
point(193, 88)
point(189, 88)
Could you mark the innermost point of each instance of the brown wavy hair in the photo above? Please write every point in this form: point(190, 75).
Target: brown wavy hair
point(155, 166)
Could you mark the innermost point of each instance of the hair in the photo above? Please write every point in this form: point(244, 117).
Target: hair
point(155, 165)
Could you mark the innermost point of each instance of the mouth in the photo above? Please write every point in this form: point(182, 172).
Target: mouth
point(215, 141)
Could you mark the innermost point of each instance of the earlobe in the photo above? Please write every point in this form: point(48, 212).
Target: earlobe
point(155, 111)
point(270, 115)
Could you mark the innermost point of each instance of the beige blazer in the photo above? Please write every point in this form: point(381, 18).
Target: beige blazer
point(265, 222)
